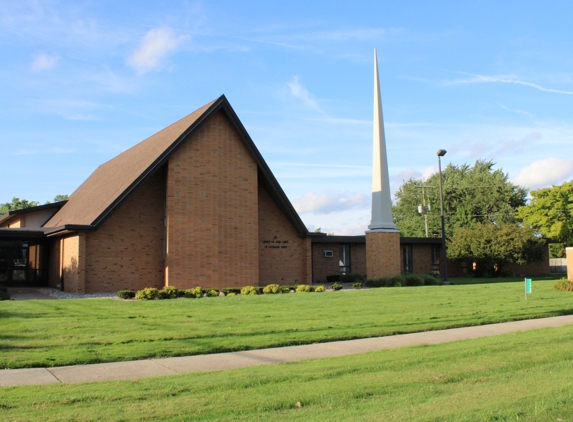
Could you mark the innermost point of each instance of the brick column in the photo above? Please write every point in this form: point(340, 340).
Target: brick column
point(569, 254)
point(382, 254)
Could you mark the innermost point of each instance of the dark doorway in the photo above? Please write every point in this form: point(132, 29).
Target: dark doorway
point(23, 263)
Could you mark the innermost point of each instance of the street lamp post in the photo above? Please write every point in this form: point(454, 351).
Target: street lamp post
point(440, 154)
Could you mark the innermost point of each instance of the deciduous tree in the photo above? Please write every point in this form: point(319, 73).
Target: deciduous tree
point(550, 212)
point(492, 246)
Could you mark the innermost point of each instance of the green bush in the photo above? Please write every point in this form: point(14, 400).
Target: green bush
point(506, 273)
point(249, 290)
point(336, 286)
point(231, 294)
point(287, 289)
point(564, 285)
point(3, 288)
point(126, 294)
point(396, 281)
point(212, 292)
point(430, 280)
point(353, 278)
point(4, 295)
point(303, 288)
point(149, 293)
point(168, 292)
point(413, 280)
point(319, 289)
point(272, 289)
point(228, 290)
point(331, 278)
point(357, 285)
point(195, 292)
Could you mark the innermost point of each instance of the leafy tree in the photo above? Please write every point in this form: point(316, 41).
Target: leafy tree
point(472, 195)
point(16, 204)
point(492, 246)
point(59, 198)
point(550, 212)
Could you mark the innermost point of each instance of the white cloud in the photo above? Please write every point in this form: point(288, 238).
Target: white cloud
point(300, 92)
point(44, 62)
point(508, 79)
point(329, 202)
point(428, 171)
point(155, 46)
point(544, 172)
point(405, 175)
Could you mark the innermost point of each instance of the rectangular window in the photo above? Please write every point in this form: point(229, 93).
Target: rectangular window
point(407, 260)
point(436, 255)
point(344, 259)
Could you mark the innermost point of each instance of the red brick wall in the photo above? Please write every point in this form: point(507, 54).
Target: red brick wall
point(284, 257)
point(535, 268)
point(127, 251)
point(212, 210)
point(73, 263)
point(322, 267)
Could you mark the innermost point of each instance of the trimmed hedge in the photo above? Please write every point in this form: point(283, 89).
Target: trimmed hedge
point(407, 280)
point(353, 278)
point(126, 294)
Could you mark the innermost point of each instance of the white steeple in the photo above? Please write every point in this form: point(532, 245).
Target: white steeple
point(381, 198)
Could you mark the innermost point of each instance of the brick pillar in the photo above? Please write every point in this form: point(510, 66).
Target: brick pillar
point(569, 254)
point(382, 254)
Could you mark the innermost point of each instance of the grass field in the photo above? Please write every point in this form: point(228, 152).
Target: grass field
point(521, 376)
point(68, 332)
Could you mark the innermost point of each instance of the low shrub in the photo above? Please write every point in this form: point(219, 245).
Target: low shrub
point(286, 289)
point(396, 281)
point(336, 286)
point(249, 290)
point(352, 278)
point(272, 289)
point(564, 285)
point(126, 294)
point(211, 292)
point(228, 290)
point(231, 294)
point(332, 278)
point(195, 292)
point(319, 289)
point(506, 273)
point(149, 293)
point(303, 288)
point(430, 279)
point(357, 285)
point(168, 292)
point(4, 294)
point(3, 288)
point(413, 280)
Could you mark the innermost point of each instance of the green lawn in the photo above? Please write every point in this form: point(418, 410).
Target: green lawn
point(520, 376)
point(68, 332)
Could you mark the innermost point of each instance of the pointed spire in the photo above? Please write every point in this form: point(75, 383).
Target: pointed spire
point(381, 198)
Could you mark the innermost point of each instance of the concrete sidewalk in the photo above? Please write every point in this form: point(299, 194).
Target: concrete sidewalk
point(222, 361)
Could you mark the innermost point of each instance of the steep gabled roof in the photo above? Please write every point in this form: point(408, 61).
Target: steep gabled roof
point(114, 181)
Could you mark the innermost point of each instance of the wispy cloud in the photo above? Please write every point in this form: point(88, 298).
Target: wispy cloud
point(300, 92)
point(544, 172)
point(517, 111)
point(329, 202)
point(156, 45)
point(482, 149)
point(507, 79)
point(44, 61)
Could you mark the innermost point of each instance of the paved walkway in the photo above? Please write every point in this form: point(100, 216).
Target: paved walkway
point(222, 361)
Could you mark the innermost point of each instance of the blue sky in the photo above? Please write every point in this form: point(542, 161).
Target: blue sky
point(82, 81)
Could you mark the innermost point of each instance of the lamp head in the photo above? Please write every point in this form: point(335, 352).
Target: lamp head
point(441, 152)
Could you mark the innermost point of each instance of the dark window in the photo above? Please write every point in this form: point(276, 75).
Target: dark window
point(407, 260)
point(436, 254)
point(344, 259)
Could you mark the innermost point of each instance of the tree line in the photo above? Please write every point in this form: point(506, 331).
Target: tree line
point(19, 204)
point(488, 218)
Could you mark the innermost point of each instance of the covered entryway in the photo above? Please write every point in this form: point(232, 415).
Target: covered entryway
point(23, 258)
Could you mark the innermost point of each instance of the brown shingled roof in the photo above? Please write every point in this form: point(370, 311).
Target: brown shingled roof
point(114, 181)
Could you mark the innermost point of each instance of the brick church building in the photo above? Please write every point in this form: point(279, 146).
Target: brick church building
point(193, 205)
